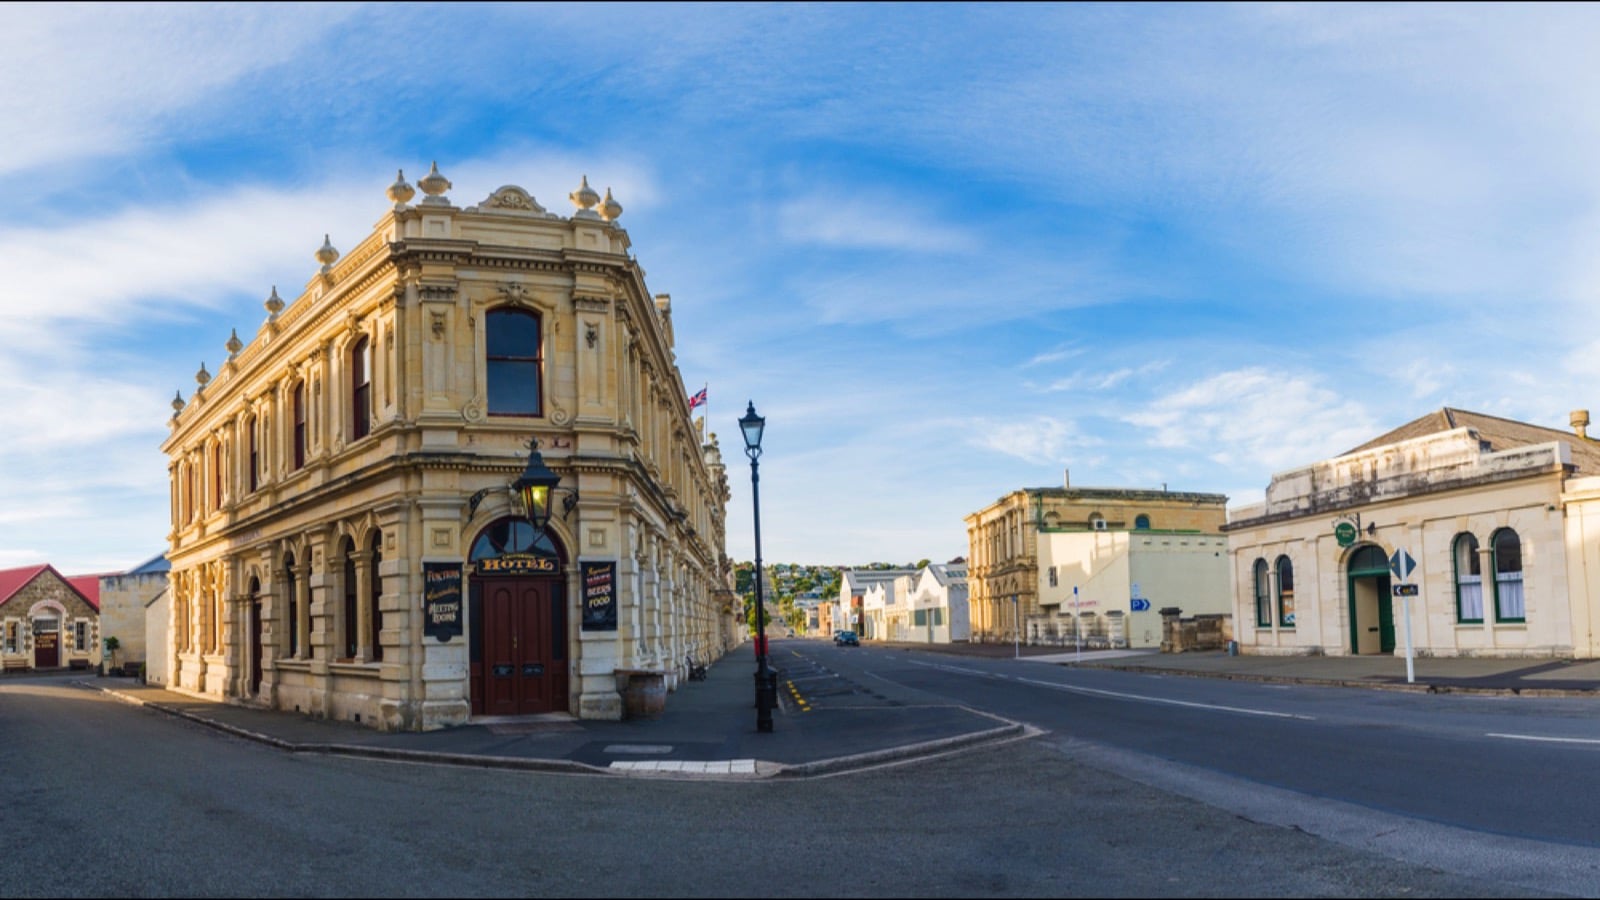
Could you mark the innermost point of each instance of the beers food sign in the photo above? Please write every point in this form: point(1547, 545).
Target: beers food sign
point(599, 595)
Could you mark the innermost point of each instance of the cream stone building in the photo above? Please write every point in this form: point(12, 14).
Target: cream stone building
point(346, 543)
point(1495, 522)
point(125, 599)
point(1014, 542)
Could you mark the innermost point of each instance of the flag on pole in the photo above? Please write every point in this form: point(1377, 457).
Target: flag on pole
point(698, 399)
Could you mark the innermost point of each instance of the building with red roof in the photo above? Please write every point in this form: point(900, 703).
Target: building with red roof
point(48, 620)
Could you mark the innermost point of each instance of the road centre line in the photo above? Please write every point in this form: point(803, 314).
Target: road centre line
point(1535, 737)
point(1124, 696)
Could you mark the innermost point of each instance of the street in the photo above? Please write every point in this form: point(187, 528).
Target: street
point(156, 806)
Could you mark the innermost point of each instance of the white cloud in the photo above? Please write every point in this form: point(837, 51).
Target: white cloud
point(93, 80)
point(1255, 418)
point(869, 222)
point(1041, 439)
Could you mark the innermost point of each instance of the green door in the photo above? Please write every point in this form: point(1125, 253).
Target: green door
point(1385, 616)
point(1370, 601)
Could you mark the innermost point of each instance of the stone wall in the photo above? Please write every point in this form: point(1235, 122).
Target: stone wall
point(1210, 631)
point(122, 613)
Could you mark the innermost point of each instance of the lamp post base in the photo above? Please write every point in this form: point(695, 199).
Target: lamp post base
point(766, 699)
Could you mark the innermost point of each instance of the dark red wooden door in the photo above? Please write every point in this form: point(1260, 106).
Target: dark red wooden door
point(524, 668)
point(46, 650)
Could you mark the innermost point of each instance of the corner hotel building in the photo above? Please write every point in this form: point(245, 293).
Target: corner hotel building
point(365, 441)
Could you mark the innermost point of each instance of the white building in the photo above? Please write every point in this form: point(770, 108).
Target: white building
point(936, 602)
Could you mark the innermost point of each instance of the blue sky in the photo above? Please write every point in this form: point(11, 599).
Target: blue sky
point(949, 250)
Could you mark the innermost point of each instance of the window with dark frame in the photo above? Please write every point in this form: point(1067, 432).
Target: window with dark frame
point(300, 425)
point(1263, 589)
point(361, 389)
point(1509, 605)
point(514, 362)
point(1285, 592)
point(250, 479)
point(291, 606)
point(376, 583)
point(348, 630)
point(1469, 579)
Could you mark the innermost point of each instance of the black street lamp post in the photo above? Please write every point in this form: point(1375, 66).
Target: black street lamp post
point(766, 680)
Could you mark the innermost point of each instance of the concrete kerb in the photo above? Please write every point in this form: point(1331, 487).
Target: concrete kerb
point(1009, 730)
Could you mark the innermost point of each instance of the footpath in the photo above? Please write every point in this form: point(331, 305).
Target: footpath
point(708, 728)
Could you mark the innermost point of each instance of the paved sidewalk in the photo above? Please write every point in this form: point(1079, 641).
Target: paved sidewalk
point(708, 730)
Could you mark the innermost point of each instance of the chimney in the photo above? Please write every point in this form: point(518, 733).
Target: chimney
point(1066, 478)
point(1580, 422)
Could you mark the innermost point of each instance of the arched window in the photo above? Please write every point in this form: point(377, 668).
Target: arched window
point(515, 362)
point(1097, 522)
point(1469, 579)
point(291, 607)
point(298, 453)
point(1508, 605)
point(255, 460)
point(1263, 590)
point(1285, 592)
point(360, 389)
point(375, 615)
point(347, 624)
point(1141, 523)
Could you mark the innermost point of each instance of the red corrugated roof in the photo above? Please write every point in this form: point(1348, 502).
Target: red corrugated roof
point(89, 587)
point(13, 580)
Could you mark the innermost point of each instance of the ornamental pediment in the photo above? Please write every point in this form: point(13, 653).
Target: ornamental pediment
point(512, 200)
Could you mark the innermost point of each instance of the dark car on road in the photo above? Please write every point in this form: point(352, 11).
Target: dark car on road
point(846, 638)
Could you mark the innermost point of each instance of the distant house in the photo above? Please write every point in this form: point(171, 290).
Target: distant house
point(1128, 551)
point(48, 620)
point(936, 602)
point(850, 607)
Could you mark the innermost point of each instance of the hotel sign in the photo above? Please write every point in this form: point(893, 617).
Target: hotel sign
point(517, 564)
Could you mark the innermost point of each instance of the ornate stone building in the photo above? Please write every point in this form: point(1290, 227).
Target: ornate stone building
point(1010, 551)
point(345, 541)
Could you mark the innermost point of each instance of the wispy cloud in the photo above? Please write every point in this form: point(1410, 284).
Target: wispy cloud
point(870, 223)
point(1255, 418)
point(1040, 439)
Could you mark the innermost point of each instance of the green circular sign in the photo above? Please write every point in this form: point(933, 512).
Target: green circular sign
point(1345, 532)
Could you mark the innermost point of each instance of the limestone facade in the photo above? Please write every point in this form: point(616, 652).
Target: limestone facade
point(348, 471)
point(124, 598)
point(1496, 515)
point(1004, 561)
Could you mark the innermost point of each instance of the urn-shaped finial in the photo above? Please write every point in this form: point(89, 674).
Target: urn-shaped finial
point(234, 345)
point(202, 377)
point(326, 254)
point(400, 192)
point(274, 304)
point(434, 185)
point(610, 209)
point(584, 198)
point(177, 402)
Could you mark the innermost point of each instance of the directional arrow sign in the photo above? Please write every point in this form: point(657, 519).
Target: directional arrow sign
point(1401, 564)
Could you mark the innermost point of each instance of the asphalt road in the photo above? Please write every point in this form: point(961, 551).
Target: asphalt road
point(105, 799)
point(1495, 787)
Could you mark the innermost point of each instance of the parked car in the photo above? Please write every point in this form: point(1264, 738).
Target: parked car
point(846, 638)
